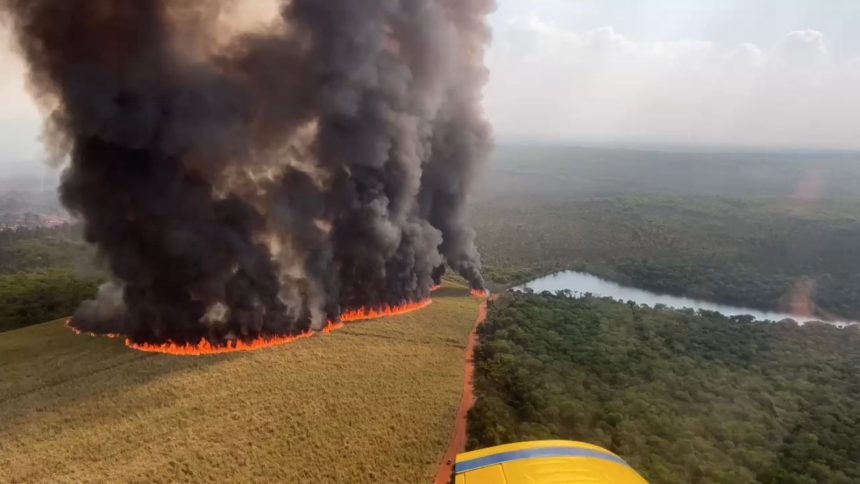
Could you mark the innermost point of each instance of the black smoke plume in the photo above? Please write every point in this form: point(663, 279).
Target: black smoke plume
point(260, 184)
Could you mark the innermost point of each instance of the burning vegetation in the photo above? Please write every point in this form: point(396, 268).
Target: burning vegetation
point(247, 189)
point(205, 347)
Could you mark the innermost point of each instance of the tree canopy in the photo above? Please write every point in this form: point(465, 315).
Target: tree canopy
point(685, 397)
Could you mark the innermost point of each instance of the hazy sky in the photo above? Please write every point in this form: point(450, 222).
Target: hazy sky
point(20, 121)
point(780, 73)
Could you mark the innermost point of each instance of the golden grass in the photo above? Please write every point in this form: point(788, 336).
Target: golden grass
point(374, 402)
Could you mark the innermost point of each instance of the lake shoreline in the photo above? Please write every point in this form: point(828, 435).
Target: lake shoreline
point(580, 282)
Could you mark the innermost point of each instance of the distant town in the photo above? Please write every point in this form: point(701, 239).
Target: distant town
point(31, 220)
point(31, 210)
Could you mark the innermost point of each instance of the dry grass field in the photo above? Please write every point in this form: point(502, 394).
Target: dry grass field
point(374, 402)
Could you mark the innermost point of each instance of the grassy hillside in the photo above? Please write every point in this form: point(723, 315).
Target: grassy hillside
point(374, 402)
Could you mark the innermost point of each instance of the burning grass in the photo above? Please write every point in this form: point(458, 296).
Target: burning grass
point(205, 348)
point(68, 324)
point(366, 314)
point(480, 294)
point(380, 397)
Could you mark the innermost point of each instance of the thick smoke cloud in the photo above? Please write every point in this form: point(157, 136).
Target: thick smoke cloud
point(263, 184)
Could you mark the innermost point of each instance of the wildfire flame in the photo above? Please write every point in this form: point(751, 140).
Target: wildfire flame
point(436, 288)
point(365, 314)
point(332, 327)
point(482, 294)
point(77, 331)
point(204, 347)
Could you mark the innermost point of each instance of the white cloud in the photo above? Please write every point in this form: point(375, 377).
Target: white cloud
point(803, 47)
point(551, 83)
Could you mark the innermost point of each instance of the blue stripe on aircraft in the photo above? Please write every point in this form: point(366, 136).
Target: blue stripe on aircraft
point(515, 455)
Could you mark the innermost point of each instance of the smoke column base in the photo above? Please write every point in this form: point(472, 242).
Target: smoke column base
point(205, 348)
point(231, 177)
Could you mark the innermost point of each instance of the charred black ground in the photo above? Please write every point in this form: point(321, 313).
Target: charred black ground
point(261, 184)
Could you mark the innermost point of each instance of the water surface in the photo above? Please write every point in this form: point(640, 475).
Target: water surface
point(581, 283)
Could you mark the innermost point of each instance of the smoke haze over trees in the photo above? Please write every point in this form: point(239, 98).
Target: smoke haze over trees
point(261, 183)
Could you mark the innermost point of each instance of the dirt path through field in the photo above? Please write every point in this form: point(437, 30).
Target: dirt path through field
point(458, 438)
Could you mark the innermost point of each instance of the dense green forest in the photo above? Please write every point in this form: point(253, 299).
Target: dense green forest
point(750, 252)
point(44, 275)
point(35, 297)
point(684, 397)
point(742, 228)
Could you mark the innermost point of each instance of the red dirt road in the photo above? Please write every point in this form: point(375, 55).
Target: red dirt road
point(458, 438)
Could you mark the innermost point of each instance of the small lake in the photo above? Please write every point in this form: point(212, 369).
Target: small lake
point(581, 283)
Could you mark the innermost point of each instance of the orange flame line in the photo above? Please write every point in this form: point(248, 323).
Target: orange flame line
point(79, 332)
point(332, 327)
point(480, 294)
point(204, 347)
point(365, 314)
